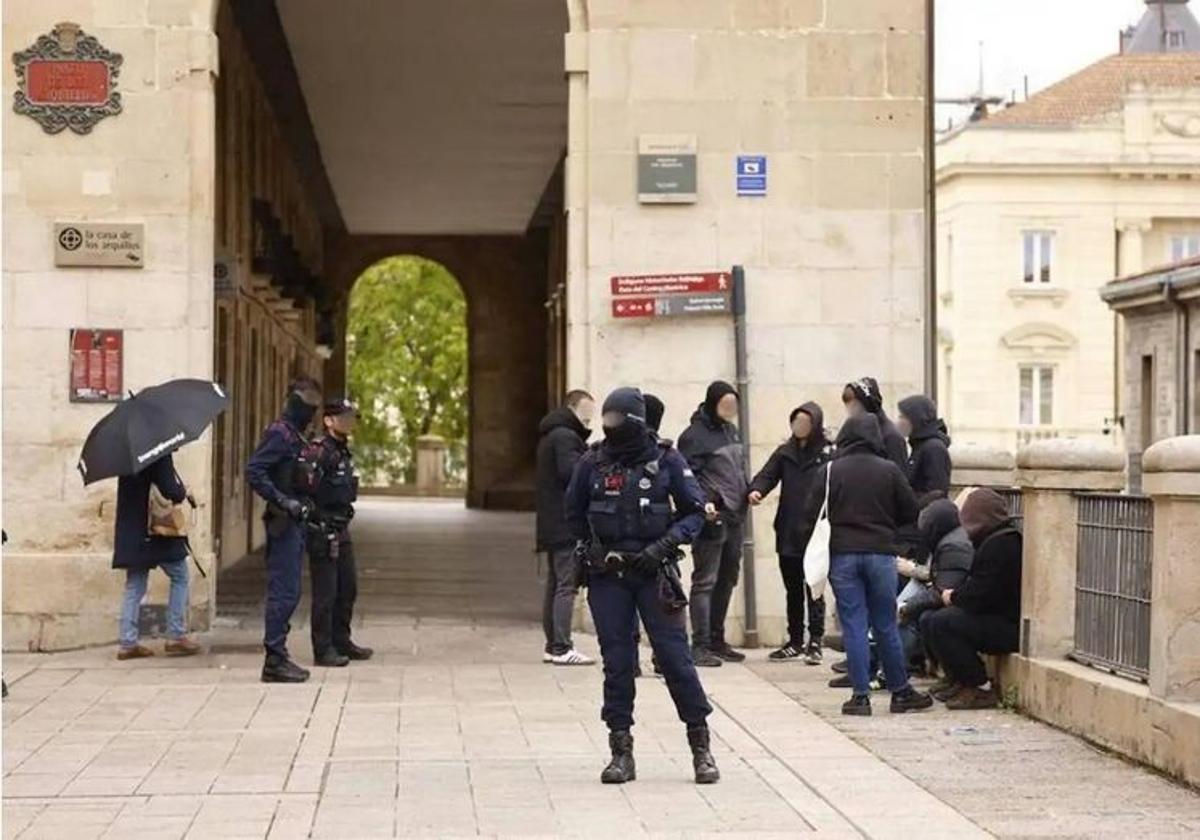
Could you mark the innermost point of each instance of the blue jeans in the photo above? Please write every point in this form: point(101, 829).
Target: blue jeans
point(865, 587)
point(285, 567)
point(616, 601)
point(135, 591)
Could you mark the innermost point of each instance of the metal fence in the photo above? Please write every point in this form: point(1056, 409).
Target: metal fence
point(1016, 503)
point(1112, 583)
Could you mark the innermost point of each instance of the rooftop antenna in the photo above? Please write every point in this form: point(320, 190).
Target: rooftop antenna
point(979, 89)
point(978, 101)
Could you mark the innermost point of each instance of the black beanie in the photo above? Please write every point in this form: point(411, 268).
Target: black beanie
point(627, 401)
point(715, 393)
point(654, 411)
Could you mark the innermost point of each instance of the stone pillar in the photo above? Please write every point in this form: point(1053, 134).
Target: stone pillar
point(1130, 253)
point(1172, 477)
point(1049, 473)
point(431, 465)
point(976, 465)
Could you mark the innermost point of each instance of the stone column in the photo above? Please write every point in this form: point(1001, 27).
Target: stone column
point(1172, 477)
point(1130, 253)
point(431, 465)
point(1049, 473)
point(976, 465)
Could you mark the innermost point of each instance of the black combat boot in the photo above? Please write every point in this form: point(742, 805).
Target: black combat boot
point(702, 757)
point(620, 769)
point(280, 669)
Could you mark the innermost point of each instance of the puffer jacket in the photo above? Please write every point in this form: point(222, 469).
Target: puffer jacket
point(951, 556)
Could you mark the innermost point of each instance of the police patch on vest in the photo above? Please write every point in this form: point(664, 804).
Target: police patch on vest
point(645, 484)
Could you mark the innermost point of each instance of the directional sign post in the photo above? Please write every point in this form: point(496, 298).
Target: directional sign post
point(671, 295)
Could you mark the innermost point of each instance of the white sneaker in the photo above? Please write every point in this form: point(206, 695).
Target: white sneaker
point(572, 657)
point(547, 658)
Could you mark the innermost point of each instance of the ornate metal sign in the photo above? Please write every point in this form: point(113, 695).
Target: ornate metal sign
point(67, 80)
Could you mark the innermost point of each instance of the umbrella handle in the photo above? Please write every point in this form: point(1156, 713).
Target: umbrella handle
point(191, 500)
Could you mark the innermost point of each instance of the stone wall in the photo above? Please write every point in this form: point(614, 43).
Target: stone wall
point(153, 165)
point(832, 92)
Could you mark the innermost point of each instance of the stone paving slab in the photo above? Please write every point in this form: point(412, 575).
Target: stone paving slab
point(438, 746)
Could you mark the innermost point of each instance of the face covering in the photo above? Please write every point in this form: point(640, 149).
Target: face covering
point(297, 412)
point(624, 433)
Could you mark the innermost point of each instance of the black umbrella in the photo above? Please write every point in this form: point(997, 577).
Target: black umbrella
point(148, 426)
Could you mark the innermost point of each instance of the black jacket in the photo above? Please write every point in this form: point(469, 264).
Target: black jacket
point(869, 498)
point(994, 585)
point(894, 447)
point(928, 466)
point(562, 440)
point(795, 466)
point(133, 547)
point(950, 555)
point(713, 449)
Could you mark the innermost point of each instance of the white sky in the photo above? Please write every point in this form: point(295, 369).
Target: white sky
point(1044, 39)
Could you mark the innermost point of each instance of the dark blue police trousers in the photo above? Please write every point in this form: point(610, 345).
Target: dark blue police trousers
point(616, 601)
point(285, 568)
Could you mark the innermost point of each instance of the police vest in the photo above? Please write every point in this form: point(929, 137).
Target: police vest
point(325, 473)
point(283, 473)
point(630, 506)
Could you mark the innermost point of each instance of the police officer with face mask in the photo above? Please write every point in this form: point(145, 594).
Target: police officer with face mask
point(619, 506)
point(271, 473)
point(328, 480)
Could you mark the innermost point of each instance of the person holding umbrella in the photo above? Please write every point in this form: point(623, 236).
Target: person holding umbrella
point(134, 443)
point(271, 472)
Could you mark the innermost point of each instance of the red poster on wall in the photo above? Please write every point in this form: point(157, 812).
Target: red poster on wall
point(96, 365)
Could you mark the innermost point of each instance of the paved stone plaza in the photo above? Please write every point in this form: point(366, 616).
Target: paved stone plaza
point(455, 729)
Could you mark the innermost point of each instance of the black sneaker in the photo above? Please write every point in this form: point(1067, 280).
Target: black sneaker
point(355, 653)
point(727, 653)
point(784, 653)
point(842, 666)
point(858, 705)
point(910, 700)
point(812, 653)
point(705, 658)
point(276, 669)
point(877, 683)
point(331, 659)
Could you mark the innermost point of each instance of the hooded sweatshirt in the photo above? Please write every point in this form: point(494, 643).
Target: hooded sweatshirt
point(713, 449)
point(869, 498)
point(950, 551)
point(796, 465)
point(562, 440)
point(866, 391)
point(994, 585)
point(928, 466)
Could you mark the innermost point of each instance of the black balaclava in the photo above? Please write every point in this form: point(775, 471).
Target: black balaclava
point(630, 438)
point(298, 412)
point(654, 411)
point(715, 393)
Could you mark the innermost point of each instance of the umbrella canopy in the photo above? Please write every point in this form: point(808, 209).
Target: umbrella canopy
point(149, 426)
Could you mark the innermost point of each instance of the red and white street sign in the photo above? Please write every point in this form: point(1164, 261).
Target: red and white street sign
point(672, 284)
point(642, 307)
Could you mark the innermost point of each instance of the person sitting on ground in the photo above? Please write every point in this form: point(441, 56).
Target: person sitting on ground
point(983, 614)
point(950, 554)
point(137, 550)
point(868, 498)
point(795, 463)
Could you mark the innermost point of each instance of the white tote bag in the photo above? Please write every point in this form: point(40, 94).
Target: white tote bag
point(816, 555)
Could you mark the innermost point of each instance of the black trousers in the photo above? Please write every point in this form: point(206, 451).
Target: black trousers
point(957, 637)
point(334, 590)
point(799, 597)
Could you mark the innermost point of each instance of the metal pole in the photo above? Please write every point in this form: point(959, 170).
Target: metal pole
point(743, 385)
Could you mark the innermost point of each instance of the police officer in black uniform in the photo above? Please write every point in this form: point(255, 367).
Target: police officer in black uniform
point(271, 472)
point(331, 485)
point(619, 507)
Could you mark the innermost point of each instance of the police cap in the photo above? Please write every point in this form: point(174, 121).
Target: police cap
point(333, 408)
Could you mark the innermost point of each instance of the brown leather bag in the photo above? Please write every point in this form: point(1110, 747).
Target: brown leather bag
point(164, 517)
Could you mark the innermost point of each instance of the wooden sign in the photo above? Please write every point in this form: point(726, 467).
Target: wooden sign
point(97, 366)
point(67, 80)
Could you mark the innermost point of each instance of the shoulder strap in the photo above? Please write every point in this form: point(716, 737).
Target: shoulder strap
point(824, 514)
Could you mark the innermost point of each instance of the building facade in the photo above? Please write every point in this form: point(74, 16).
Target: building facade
point(268, 153)
point(1038, 205)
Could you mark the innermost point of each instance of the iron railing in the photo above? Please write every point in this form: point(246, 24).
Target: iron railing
point(1016, 503)
point(1112, 583)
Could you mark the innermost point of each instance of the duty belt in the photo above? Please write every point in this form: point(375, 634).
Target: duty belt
point(613, 562)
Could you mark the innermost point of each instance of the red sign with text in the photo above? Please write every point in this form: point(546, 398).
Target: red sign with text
point(96, 365)
point(672, 284)
point(56, 82)
point(633, 307)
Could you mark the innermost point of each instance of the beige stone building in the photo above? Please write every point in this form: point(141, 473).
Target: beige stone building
point(270, 152)
point(1038, 206)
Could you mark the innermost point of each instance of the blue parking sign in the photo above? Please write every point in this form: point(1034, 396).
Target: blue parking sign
point(752, 175)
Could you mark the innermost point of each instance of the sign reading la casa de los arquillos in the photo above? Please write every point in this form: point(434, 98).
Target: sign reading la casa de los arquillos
point(671, 295)
point(67, 79)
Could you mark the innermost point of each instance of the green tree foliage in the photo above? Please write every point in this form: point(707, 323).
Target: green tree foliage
point(407, 366)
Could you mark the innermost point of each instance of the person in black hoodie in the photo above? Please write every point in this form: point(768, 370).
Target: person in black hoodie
point(795, 463)
point(713, 448)
point(984, 613)
point(863, 395)
point(562, 440)
point(950, 553)
point(928, 464)
point(868, 499)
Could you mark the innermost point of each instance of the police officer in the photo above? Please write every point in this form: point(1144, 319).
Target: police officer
point(271, 472)
point(619, 507)
point(330, 483)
